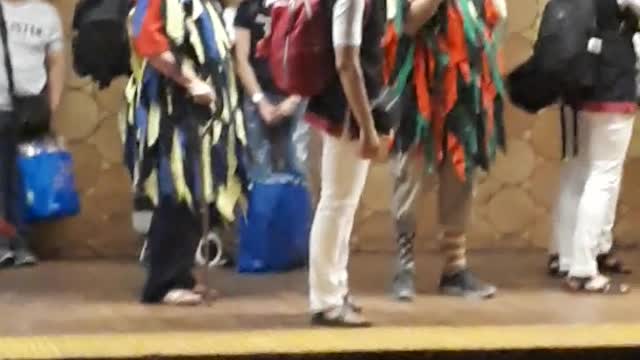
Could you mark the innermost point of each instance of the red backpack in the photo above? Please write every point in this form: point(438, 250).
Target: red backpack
point(299, 48)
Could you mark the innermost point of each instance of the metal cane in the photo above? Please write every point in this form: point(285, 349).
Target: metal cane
point(215, 111)
point(205, 216)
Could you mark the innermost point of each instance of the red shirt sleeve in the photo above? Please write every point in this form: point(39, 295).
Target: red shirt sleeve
point(149, 39)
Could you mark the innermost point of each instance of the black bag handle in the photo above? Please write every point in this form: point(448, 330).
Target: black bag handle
point(7, 56)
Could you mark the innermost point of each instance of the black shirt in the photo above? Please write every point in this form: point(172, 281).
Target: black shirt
point(615, 78)
point(254, 16)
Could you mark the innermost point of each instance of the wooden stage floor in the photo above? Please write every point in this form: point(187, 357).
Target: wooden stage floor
point(88, 310)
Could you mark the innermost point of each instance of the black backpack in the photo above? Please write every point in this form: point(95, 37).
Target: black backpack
point(561, 67)
point(101, 41)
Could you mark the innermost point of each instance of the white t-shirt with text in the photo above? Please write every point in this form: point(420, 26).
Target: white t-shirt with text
point(34, 31)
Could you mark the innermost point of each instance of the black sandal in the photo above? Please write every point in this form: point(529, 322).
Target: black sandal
point(609, 264)
point(553, 267)
point(597, 285)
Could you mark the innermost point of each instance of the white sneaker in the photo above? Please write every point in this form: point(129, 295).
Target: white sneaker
point(6, 258)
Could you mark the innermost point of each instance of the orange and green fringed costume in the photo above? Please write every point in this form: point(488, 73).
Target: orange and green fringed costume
point(450, 78)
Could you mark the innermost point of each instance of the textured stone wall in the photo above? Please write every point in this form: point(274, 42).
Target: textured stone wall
point(512, 205)
point(88, 120)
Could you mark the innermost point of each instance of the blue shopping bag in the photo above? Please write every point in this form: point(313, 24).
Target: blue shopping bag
point(274, 235)
point(49, 185)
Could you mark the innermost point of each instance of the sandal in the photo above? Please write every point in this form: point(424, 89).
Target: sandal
point(553, 267)
point(609, 264)
point(343, 316)
point(350, 301)
point(597, 285)
point(210, 294)
point(182, 297)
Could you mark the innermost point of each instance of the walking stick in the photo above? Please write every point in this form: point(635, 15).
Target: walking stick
point(214, 112)
point(205, 216)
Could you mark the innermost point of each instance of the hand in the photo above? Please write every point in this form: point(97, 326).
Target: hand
point(386, 145)
point(369, 144)
point(201, 92)
point(268, 112)
point(288, 107)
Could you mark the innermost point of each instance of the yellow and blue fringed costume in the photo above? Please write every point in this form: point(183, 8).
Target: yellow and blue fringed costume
point(174, 148)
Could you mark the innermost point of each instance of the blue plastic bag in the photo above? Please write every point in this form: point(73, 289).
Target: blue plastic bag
point(49, 185)
point(274, 236)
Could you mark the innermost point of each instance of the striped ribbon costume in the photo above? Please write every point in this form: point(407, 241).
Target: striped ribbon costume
point(450, 74)
point(172, 146)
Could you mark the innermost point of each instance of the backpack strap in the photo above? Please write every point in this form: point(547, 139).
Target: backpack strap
point(564, 131)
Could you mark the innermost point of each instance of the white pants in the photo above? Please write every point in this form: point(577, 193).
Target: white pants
point(590, 184)
point(343, 176)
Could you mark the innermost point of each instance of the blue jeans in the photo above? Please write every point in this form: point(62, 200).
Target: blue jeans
point(11, 188)
point(276, 153)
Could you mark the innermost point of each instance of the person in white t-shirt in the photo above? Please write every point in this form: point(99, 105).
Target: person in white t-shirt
point(35, 41)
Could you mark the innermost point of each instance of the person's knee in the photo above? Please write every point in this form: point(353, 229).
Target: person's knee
point(337, 205)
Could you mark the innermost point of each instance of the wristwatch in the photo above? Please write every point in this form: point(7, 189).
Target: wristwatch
point(257, 97)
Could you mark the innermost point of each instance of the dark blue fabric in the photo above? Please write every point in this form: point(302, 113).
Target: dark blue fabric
point(208, 36)
point(274, 236)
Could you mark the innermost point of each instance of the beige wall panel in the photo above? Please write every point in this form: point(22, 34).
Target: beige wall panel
point(522, 14)
point(517, 165)
point(107, 140)
point(511, 210)
point(78, 116)
point(544, 183)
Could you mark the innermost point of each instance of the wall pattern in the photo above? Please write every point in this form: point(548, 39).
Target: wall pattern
point(511, 210)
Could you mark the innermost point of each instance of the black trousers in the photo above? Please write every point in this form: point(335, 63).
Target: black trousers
point(173, 240)
point(11, 189)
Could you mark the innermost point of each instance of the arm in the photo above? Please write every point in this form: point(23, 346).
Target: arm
point(248, 76)
point(350, 73)
point(56, 72)
point(418, 13)
point(55, 62)
point(269, 113)
point(150, 42)
point(167, 65)
point(243, 66)
point(347, 38)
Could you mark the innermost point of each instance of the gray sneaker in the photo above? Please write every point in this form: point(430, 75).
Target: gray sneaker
point(465, 284)
point(403, 287)
point(6, 258)
point(24, 257)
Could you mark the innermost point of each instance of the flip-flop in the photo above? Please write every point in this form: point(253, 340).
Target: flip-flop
point(597, 285)
point(182, 297)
